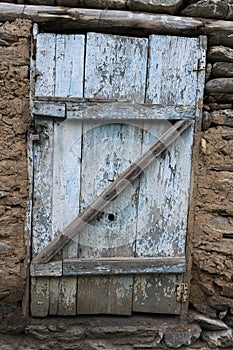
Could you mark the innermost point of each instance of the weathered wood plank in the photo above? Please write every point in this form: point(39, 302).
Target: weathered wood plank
point(45, 64)
point(106, 295)
point(54, 283)
point(49, 109)
point(83, 109)
point(66, 177)
point(127, 111)
point(157, 294)
point(113, 234)
point(119, 266)
point(69, 65)
point(162, 213)
point(67, 296)
point(39, 296)
point(115, 67)
point(42, 204)
point(53, 268)
point(61, 18)
point(172, 73)
point(112, 192)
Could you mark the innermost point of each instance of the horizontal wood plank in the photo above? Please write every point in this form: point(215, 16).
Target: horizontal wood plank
point(119, 110)
point(49, 109)
point(112, 192)
point(54, 268)
point(122, 266)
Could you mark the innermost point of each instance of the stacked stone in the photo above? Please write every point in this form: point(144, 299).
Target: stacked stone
point(14, 117)
point(212, 286)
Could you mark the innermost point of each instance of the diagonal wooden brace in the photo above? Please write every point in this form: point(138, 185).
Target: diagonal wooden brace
point(111, 192)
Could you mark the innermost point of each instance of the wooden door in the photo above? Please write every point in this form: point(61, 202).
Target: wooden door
point(100, 101)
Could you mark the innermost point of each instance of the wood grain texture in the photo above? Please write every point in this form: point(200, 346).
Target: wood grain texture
point(67, 296)
point(157, 294)
point(42, 205)
point(113, 233)
point(172, 72)
point(53, 268)
point(122, 266)
point(106, 295)
point(69, 65)
point(111, 192)
point(129, 219)
point(115, 67)
point(39, 296)
point(45, 64)
point(54, 284)
point(83, 109)
point(49, 109)
point(66, 177)
point(59, 65)
point(162, 213)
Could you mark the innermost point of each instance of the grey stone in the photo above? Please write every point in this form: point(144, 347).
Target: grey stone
point(207, 322)
point(222, 69)
point(207, 8)
point(159, 6)
point(230, 12)
point(41, 2)
point(177, 336)
point(220, 54)
point(223, 339)
point(102, 4)
point(217, 39)
point(223, 85)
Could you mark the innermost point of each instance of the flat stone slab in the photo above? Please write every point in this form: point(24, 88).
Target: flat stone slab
point(175, 337)
point(207, 322)
point(207, 9)
point(110, 4)
point(164, 6)
point(222, 69)
point(220, 85)
point(220, 54)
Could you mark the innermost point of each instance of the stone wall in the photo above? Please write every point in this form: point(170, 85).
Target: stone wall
point(14, 121)
point(212, 287)
point(211, 294)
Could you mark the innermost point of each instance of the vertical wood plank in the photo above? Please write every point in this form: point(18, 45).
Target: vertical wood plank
point(115, 67)
point(69, 65)
point(39, 296)
point(43, 179)
point(107, 150)
point(53, 295)
point(66, 178)
point(106, 295)
point(45, 64)
point(172, 70)
point(164, 196)
point(67, 296)
point(157, 294)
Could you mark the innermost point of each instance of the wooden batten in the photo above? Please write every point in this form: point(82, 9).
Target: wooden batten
point(64, 18)
point(83, 109)
point(108, 266)
point(122, 266)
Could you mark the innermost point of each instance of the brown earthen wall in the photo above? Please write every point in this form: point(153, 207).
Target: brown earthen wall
point(211, 284)
point(14, 121)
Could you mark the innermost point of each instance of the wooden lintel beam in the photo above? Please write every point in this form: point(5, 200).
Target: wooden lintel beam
point(65, 18)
